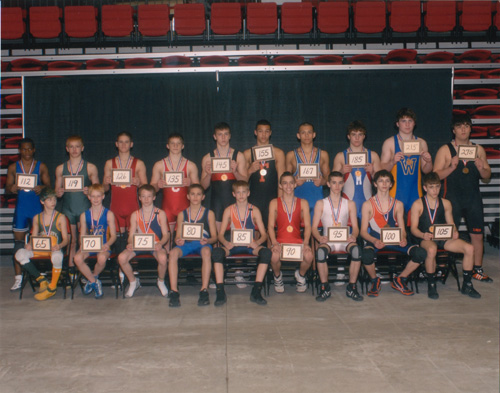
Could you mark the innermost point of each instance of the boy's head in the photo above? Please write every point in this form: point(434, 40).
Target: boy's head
point(47, 193)
point(461, 119)
point(196, 186)
point(222, 126)
point(263, 122)
point(175, 135)
point(145, 188)
point(240, 183)
point(74, 146)
point(356, 126)
point(96, 194)
point(333, 174)
point(222, 133)
point(241, 190)
point(381, 174)
point(175, 143)
point(124, 142)
point(74, 138)
point(431, 178)
point(26, 148)
point(335, 181)
point(406, 120)
point(263, 131)
point(196, 194)
point(96, 188)
point(124, 134)
point(26, 141)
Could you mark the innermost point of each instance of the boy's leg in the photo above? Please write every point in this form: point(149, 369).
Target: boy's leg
point(468, 250)
point(430, 267)
point(18, 245)
point(161, 258)
point(173, 267)
point(277, 276)
point(354, 267)
point(72, 246)
point(79, 260)
point(218, 256)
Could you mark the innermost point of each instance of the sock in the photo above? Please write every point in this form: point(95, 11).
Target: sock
point(350, 286)
point(32, 270)
point(431, 278)
point(467, 276)
point(478, 269)
point(55, 278)
point(220, 287)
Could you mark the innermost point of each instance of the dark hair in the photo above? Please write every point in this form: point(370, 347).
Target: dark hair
point(124, 133)
point(335, 174)
point(146, 187)
point(383, 173)
point(460, 119)
point(222, 126)
point(306, 123)
point(356, 125)
point(263, 122)
point(175, 135)
point(431, 178)
point(26, 140)
point(286, 174)
point(47, 193)
point(194, 186)
point(240, 183)
point(406, 112)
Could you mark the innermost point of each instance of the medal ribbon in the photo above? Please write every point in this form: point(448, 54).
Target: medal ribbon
point(47, 232)
point(335, 216)
point(94, 226)
point(432, 217)
point(31, 167)
point(289, 213)
point(227, 155)
point(306, 161)
point(243, 223)
point(385, 214)
point(172, 164)
point(127, 166)
point(146, 227)
point(80, 165)
point(197, 215)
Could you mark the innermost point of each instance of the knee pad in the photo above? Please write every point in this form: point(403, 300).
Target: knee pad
point(218, 255)
point(356, 253)
point(57, 259)
point(265, 256)
point(23, 256)
point(322, 255)
point(418, 254)
point(368, 256)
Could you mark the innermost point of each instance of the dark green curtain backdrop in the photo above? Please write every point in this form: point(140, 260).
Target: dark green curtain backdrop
point(151, 106)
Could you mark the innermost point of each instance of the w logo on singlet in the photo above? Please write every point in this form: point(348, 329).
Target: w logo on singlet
point(408, 164)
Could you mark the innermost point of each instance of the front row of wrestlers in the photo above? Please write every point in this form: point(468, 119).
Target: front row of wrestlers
point(287, 216)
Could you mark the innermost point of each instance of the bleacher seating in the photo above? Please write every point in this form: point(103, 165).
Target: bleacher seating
point(13, 25)
point(153, 20)
point(369, 17)
point(80, 21)
point(45, 22)
point(225, 18)
point(296, 18)
point(189, 19)
point(116, 20)
point(333, 17)
point(262, 18)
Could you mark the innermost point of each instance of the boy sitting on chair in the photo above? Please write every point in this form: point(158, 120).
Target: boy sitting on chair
point(147, 220)
point(241, 215)
point(432, 210)
point(96, 221)
point(52, 224)
point(336, 211)
point(194, 214)
point(286, 214)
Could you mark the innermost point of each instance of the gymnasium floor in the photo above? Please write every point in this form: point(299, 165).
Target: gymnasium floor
point(387, 344)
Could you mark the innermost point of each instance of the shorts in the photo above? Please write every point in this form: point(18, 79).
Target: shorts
point(241, 250)
point(122, 220)
point(403, 250)
point(23, 217)
point(471, 210)
point(192, 247)
point(74, 218)
point(336, 247)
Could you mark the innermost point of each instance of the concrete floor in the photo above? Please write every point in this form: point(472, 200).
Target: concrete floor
point(391, 343)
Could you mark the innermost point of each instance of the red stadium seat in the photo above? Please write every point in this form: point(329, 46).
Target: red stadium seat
point(14, 101)
point(491, 74)
point(440, 16)
point(326, 60)
point(288, 60)
point(467, 74)
point(404, 16)
point(369, 17)
point(496, 18)
point(153, 20)
point(439, 57)
point(296, 18)
point(479, 132)
point(63, 66)
point(13, 26)
point(116, 20)
point(492, 153)
point(11, 83)
point(189, 19)
point(214, 61)
point(401, 56)
point(45, 22)
point(262, 18)
point(25, 65)
point(475, 16)
point(140, 62)
point(80, 21)
point(101, 64)
point(15, 123)
point(475, 56)
point(225, 18)
point(176, 62)
point(366, 58)
point(252, 61)
point(486, 112)
point(479, 94)
point(333, 17)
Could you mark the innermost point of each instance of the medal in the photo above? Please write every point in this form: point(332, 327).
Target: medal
point(95, 223)
point(431, 229)
point(357, 173)
point(289, 214)
point(223, 177)
point(385, 214)
point(465, 170)
point(336, 217)
point(243, 223)
point(432, 216)
point(289, 228)
point(29, 173)
point(263, 172)
point(127, 166)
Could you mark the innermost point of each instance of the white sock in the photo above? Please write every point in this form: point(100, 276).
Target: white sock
point(131, 289)
point(162, 287)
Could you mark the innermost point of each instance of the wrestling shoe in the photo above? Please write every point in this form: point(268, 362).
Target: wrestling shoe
point(375, 289)
point(45, 294)
point(399, 284)
point(18, 280)
point(174, 299)
point(468, 289)
point(203, 300)
point(256, 296)
point(278, 283)
point(353, 293)
point(97, 288)
point(88, 288)
point(432, 292)
point(220, 298)
point(480, 275)
point(301, 285)
point(324, 292)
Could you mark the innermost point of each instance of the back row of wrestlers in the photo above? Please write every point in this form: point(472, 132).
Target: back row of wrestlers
point(262, 176)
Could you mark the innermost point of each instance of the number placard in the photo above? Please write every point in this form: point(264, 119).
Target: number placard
point(191, 231)
point(41, 243)
point(390, 236)
point(91, 243)
point(241, 237)
point(308, 171)
point(173, 179)
point(221, 165)
point(357, 159)
point(292, 252)
point(263, 153)
point(25, 181)
point(73, 183)
point(467, 152)
point(121, 177)
point(443, 232)
point(338, 234)
point(144, 241)
point(411, 148)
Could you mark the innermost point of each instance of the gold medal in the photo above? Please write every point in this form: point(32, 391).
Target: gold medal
point(357, 173)
point(289, 228)
point(123, 186)
point(337, 224)
point(465, 170)
point(263, 172)
point(223, 177)
point(431, 229)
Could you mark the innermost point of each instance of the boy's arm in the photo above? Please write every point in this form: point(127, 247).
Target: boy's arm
point(376, 165)
point(482, 163)
point(388, 158)
point(224, 224)
point(106, 180)
point(64, 231)
point(59, 181)
point(318, 212)
point(426, 165)
point(444, 164)
point(157, 176)
point(206, 171)
point(178, 233)
point(257, 216)
point(271, 222)
point(290, 162)
point(324, 163)
point(306, 217)
point(354, 219)
point(141, 177)
point(44, 177)
point(448, 215)
point(338, 163)
point(192, 173)
point(93, 173)
point(415, 213)
point(213, 228)
point(279, 158)
point(401, 224)
point(112, 229)
point(241, 167)
point(10, 184)
point(165, 234)
point(366, 215)
point(132, 229)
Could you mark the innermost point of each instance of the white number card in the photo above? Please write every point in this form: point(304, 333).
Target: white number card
point(220, 165)
point(443, 232)
point(292, 252)
point(390, 236)
point(26, 182)
point(357, 159)
point(338, 234)
point(144, 242)
point(241, 237)
point(41, 243)
point(91, 243)
point(263, 153)
point(121, 177)
point(191, 231)
point(73, 183)
point(411, 148)
point(308, 171)
point(467, 152)
point(173, 179)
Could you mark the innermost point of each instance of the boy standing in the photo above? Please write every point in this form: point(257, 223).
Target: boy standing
point(432, 210)
point(287, 214)
point(194, 214)
point(74, 203)
point(241, 215)
point(49, 223)
point(148, 219)
point(28, 200)
point(461, 187)
point(336, 211)
point(378, 212)
point(97, 221)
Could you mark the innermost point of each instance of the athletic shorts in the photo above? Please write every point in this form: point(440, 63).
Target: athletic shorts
point(241, 250)
point(471, 210)
point(192, 247)
point(23, 217)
